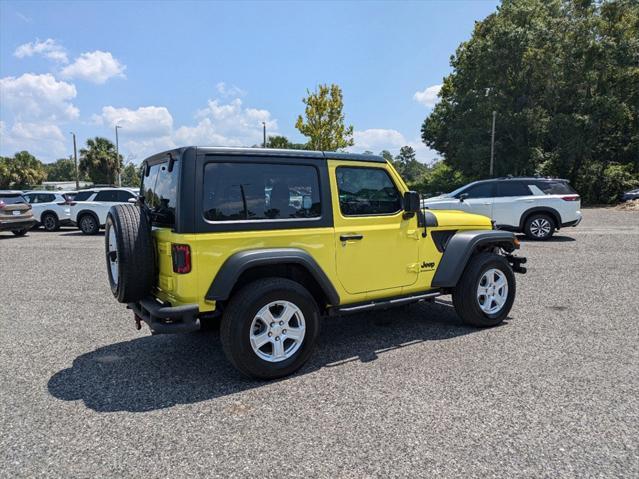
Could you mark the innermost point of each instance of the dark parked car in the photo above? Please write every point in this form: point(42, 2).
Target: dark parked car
point(15, 213)
point(630, 195)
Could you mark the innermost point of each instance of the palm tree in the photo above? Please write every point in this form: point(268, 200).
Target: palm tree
point(98, 160)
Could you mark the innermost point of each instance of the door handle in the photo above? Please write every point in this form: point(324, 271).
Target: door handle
point(351, 237)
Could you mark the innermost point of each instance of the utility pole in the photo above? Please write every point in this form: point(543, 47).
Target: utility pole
point(492, 146)
point(264, 133)
point(117, 156)
point(75, 162)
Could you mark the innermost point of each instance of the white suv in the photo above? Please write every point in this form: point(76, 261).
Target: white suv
point(90, 207)
point(51, 209)
point(534, 206)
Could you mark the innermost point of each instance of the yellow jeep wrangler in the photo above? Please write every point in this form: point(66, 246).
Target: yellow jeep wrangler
point(272, 240)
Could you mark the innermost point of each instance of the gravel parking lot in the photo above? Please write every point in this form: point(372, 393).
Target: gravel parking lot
point(410, 392)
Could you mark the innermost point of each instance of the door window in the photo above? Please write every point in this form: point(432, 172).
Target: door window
point(83, 195)
point(366, 191)
point(108, 196)
point(480, 190)
point(512, 188)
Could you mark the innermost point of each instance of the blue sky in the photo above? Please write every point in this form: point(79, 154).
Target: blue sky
point(176, 73)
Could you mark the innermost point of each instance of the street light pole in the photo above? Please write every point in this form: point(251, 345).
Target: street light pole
point(75, 163)
point(492, 146)
point(117, 155)
point(264, 134)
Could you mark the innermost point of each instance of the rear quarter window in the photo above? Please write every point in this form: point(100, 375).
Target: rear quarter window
point(159, 190)
point(555, 187)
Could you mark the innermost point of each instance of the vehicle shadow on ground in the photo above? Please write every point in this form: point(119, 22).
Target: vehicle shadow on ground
point(552, 239)
point(80, 233)
point(155, 372)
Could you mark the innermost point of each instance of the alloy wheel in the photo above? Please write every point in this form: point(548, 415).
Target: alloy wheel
point(492, 291)
point(277, 331)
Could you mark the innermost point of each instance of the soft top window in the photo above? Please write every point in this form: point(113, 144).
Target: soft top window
point(260, 191)
point(159, 189)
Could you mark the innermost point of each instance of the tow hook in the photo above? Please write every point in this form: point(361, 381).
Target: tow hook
point(516, 262)
point(138, 322)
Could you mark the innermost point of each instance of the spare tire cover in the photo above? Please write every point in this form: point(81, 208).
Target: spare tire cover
point(130, 255)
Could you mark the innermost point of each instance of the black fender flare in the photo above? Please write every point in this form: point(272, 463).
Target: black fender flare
point(87, 212)
point(238, 263)
point(554, 214)
point(461, 247)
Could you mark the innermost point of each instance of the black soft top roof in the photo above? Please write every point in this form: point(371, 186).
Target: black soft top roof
point(275, 152)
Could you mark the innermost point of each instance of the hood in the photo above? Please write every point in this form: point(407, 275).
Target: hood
point(460, 218)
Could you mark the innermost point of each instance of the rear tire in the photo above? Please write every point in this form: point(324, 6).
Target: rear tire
point(539, 227)
point(50, 222)
point(88, 224)
point(130, 255)
point(480, 302)
point(243, 323)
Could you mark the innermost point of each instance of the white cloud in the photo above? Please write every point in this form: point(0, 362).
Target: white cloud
point(96, 67)
point(38, 97)
point(229, 90)
point(428, 97)
point(49, 49)
point(145, 121)
point(378, 139)
point(44, 140)
point(227, 124)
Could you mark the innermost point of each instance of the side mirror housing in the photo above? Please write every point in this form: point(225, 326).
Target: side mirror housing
point(462, 197)
point(412, 203)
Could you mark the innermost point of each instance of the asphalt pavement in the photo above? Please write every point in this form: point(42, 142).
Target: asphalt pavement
point(553, 392)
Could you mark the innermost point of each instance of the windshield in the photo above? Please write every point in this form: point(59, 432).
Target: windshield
point(159, 189)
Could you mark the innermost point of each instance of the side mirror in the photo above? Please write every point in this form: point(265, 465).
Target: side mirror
point(412, 203)
point(462, 197)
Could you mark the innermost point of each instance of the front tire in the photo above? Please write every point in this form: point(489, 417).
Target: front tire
point(270, 328)
point(50, 222)
point(486, 291)
point(539, 227)
point(89, 224)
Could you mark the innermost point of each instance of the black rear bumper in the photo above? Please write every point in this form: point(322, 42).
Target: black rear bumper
point(163, 319)
point(16, 225)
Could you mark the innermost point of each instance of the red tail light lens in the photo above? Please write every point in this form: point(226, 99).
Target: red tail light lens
point(570, 198)
point(181, 255)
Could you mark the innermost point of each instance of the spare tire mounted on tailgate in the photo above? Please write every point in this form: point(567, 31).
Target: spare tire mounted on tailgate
point(130, 255)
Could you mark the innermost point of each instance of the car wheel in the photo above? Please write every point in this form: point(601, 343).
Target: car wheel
point(269, 328)
point(89, 225)
point(539, 227)
point(50, 222)
point(130, 256)
point(19, 232)
point(486, 291)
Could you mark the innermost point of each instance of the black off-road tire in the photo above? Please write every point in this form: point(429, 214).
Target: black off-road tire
point(465, 294)
point(239, 314)
point(536, 225)
point(88, 224)
point(50, 222)
point(20, 232)
point(135, 253)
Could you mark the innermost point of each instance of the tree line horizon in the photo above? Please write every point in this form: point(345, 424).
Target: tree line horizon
point(562, 77)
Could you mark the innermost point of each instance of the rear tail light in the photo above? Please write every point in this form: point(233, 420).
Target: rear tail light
point(181, 255)
point(570, 198)
point(1, 204)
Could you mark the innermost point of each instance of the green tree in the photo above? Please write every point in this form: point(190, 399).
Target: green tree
point(562, 76)
point(98, 161)
point(61, 170)
point(324, 124)
point(131, 175)
point(22, 171)
point(407, 165)
point(278, 141)
point(387, 155)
